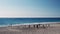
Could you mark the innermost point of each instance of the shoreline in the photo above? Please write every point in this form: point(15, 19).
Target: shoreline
point(53, 29)
point(28, 24)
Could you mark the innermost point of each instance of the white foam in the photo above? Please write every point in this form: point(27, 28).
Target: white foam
point(34, 23)
point(4, 25)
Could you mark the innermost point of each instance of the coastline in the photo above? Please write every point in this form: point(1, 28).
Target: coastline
point(29, 24)
point(53, 29)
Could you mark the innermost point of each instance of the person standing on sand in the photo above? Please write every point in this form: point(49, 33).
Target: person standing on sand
point(29, 26)
point(34, 26)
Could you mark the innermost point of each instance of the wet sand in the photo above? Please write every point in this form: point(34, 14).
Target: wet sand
point(53, 29)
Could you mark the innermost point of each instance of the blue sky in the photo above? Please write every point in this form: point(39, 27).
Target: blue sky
point(29, 8)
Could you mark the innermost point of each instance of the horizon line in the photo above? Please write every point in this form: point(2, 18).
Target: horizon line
point(29, 16)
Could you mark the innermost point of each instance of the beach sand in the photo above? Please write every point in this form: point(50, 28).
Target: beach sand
point(53, 29)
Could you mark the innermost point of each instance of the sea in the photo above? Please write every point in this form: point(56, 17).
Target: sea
point(11, 21)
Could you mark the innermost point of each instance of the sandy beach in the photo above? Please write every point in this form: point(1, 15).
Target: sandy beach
point(53, 29)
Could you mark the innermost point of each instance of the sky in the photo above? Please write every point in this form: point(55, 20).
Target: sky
point(29, 8)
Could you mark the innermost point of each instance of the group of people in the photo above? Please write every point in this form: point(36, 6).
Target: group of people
point(40, 26)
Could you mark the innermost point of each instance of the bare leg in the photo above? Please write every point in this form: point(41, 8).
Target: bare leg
point(43, 26)
point(37, 26)
point(34, 26)
point(29, 26)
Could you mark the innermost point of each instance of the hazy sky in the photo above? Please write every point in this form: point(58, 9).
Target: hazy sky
point(29, 8)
